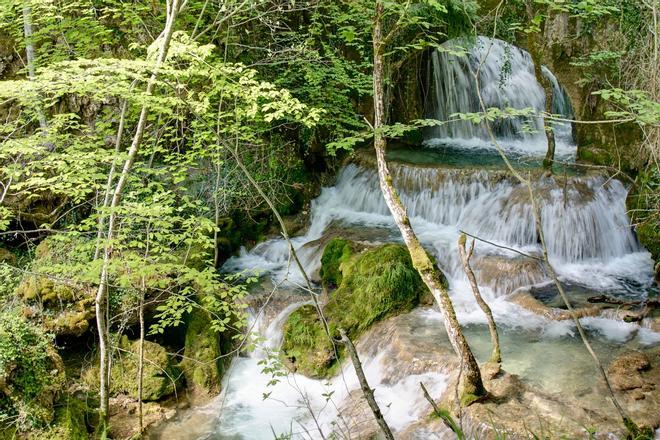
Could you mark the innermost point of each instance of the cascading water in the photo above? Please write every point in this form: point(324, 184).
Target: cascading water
point(506, 80)
point(590, 245)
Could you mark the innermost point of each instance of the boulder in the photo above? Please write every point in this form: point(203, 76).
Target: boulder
point(373, 285)
point(160, 376)
point(202, 363)
point(625, 372)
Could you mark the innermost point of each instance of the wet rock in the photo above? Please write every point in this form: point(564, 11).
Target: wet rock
point(625, 371)
point(374, 285)
point(504, 275)
point(123, 415)
point(527, 301)
point(202, 364)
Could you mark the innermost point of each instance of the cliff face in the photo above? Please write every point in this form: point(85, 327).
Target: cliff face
point(567, 41)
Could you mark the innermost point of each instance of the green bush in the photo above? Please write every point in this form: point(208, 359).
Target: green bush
point(31, 373)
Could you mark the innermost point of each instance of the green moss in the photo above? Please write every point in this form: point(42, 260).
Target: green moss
point(375, 284)
point(306, 345)
point(160, 376)
point(8, 257)
point(336, 252)
point(69, 423)
point(643, 203)
point(202, 365)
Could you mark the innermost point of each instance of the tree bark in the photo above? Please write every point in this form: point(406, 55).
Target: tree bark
point(535, 50)
point(141, 361)
point(101, 306)
point(496, 355)
point(472, 386)
point(366, 389)
point(29, 56)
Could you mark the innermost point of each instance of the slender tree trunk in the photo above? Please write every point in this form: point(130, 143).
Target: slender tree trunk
point(496, 356)
point(366, 389)
point(535, 46)
point(141, 359)
point(472, 386)
point(29, 56)
point(102, 293)
point(111, 178)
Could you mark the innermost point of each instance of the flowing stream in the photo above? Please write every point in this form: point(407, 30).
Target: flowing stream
point(589, 239)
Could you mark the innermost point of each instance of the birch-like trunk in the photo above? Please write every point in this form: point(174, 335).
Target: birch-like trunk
point(472, 386)
point(29, 58)
point(101, 305)
point(496, 355)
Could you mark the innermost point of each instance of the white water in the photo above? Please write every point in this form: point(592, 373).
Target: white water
point(590, 244)
point(244, 412)
point(589, 241)
point(506, 80)
point(586, 227)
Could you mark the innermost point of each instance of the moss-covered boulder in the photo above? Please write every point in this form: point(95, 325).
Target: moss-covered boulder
point(70, 421)
point(306, 345)
point(161, 376)
point(7, 257)
point(374, 284)
point(202, 364)
point(335, 253)
point(64, 305)
point(31, 372)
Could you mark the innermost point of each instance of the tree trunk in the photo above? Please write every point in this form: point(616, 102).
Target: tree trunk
point(366, 389)
point(472, 386)
point(102, 293)
point(140, 377)
point(535, 48)
point(29, 56)
point(496, 355)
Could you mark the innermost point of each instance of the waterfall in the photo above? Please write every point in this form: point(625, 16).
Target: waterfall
point(584, 219)
point(506, 80)
point(590, 244)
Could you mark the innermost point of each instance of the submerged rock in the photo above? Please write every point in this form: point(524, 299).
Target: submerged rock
point(625, 372)
point(504, 275)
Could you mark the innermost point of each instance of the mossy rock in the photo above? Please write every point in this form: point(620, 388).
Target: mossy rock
point(643, 200)
point(306, 345)
point(160, 375)
point(375, 284)
point(7, 257)
point(64, 308)
point(70, 421)
point(67, 309)
point(335, 253)
point(202, 366)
